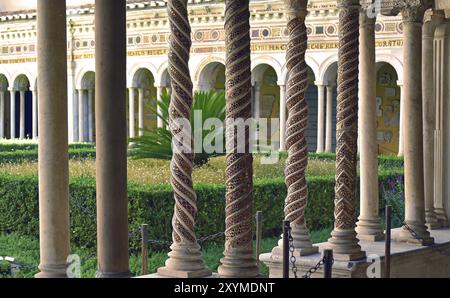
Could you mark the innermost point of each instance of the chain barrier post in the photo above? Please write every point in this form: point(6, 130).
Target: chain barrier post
point(144, 248)
point(258, 236)
point(286, 228)
point(328, 263)
point(387, 249)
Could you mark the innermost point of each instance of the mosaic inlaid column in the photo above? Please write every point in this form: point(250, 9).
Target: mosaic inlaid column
point(413, 129)
point(320, 117)
point(329, 119)
point(54, 230)
point(185, 259)
point(343, 241)
point(111, 160)
point(22, 115)
point(297, 123)
point(429, 115)
point(369, 224)
point(239, 261)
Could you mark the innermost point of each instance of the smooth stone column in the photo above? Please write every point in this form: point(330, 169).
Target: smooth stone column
point(22, 115)
point(159, 91)
point(429, 116)
point(257, 106)
point(90, 115)
point(81, 124)
point(329, 120)
point(368, 226)
point(71, 101)
point(35, 115)
point(76, 120)
point(131, 97)
point(111, 163)
point(320, 116)
point(401, 139)
point(282, 117)
point(141, 92)
point(12, 117)
point(54, 229)
point(413, 131)
point(2, 114)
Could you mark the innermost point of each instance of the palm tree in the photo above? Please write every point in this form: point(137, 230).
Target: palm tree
point(157, 142)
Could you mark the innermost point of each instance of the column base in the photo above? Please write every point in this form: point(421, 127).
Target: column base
point(238, 263)
point(369, 230)
point(406, 236)
point(345, 245)
point(442, 217)
point(100, 274)
point(185, 261)
point(431, 220)
point(52, 271)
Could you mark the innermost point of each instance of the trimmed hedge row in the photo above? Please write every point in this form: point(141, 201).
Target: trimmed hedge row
point(154, 205)
point(19, 146)
point(19, 156)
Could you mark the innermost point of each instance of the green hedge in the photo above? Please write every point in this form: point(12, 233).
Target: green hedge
point(11, 147)
point(154, 205)
point(18, 156)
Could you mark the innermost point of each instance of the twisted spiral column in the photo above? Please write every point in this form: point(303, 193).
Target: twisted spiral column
point(297, 124)
point(343, 240)
point(185, 259)
point(238, 258)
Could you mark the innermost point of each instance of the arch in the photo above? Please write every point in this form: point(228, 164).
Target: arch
point(328, 70)
point(136, 67)
point(19, 78)
point(312, 65)
point(143, 77)
point(204, 63)
point(212, 76)
point(267, 60)
point(21, 83)
point(80, 75)
point(88, 81)
point(162, 76)
point(394, 62)
point(4, 84)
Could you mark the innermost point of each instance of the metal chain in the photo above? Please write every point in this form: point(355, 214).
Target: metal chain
point(292, 250)
point(314, 269)
point(200, 240)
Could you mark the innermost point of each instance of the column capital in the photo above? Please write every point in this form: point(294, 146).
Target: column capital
point(413, 11)
point(319, 83)
point(366, 19)
point(296, 9)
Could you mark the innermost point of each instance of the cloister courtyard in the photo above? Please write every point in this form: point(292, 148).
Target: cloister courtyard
point(228, 139)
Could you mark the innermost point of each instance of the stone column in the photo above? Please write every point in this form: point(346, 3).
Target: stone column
point(429, 116)
point(90, 117)
point(282, 117)
point(71, 101)
point(53, 139)
point(35, 115)
point(76, 132)
point(81, 116)
point(185, 259)
point(320, 116)
point(343, 239)
point(2, 114)
point(141, 92)
point(369, 227)
point(239, 261)
point(13, 113)
point(401, 138)
point(413, 131)
point(131, 97)
point(297, 147)
point(329, 120)
point(159, 91)
point(257, 99)
point(111, 165)
point(22, 115)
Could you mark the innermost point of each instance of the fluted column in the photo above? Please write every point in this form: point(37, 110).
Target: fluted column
point(54, 232)
point(369, 227)
point(131, 109)
point(343, 239)
point(185, 259)
point(238, 261)
point(35, 114)
point(2, 114)
point(22, 115)
point(141, 92)
point(329, 119)
point(110, 115)
point(81, 116)
point(320, 116)
point(90, 121)
point(12, 108)
point(413, 131)
point(282, 117)
point(429, 116)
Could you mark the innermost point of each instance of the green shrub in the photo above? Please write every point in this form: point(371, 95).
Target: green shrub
point(154, 205)
point(18, 156)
